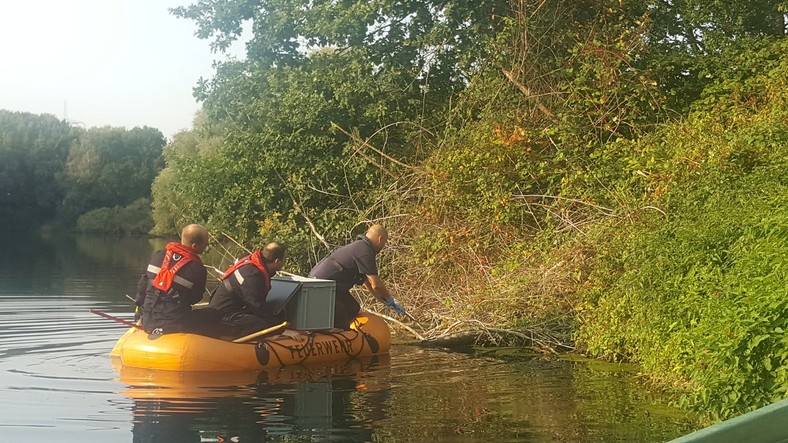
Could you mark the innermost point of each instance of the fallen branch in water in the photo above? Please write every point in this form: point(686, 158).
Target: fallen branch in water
point(539, 344)
point(403, 325)
point(535, 339)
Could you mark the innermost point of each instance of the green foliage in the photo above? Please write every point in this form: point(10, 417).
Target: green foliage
point(531, 149)
point(303, 124)
point(51, 171)
point(698, 295)
point(702, 296)
point(437, 42)
point(173, 189)
point(688, 37)
point(515, 149)
point(33, 150)
point(110, 166)
point(132, 219)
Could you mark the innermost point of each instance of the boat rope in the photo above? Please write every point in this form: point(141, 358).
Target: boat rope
point(294, 350)
point(334, 335)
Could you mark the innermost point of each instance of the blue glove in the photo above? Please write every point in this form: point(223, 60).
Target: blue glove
point(391, 303)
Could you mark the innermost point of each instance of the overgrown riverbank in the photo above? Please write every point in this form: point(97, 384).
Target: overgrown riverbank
point(687, 276)
point(698, 294)
point(605, 178)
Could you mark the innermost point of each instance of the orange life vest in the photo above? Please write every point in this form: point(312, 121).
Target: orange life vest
point(176, 257)
point(256, 259)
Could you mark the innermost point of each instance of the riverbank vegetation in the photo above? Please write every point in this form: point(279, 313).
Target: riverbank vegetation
point(600, 176)
point(96, 179)
point(605, 177)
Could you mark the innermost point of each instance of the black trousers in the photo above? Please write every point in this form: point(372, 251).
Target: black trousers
point(197, 321)
point(240, 324)
point(345, 309)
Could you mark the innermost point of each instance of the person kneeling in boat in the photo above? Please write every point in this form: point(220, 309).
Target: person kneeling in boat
point(241, 294)
point(351, 265)
point(173, 282)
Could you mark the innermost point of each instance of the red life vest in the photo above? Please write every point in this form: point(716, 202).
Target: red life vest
point(256, 259)
point(176, 257)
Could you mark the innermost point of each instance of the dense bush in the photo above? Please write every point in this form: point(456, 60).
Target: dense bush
point(132, 219)
point(697, 292)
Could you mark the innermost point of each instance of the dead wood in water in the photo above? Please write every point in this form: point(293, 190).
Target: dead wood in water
point(482, 334)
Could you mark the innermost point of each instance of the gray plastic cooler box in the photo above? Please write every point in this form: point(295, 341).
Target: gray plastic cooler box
point(308, 302)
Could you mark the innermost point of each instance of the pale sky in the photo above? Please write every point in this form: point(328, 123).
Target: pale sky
point(121, 63)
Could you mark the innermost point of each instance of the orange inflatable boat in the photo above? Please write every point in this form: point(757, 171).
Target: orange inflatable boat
point(369, 335)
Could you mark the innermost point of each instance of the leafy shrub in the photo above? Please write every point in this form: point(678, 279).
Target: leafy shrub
point(697, 293)
point(132, 219)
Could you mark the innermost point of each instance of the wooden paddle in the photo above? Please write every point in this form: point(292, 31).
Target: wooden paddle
point(259, 333)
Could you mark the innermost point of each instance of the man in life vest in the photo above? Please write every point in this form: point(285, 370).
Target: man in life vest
point(174, 281)
point(354, 264)
point(241, 294)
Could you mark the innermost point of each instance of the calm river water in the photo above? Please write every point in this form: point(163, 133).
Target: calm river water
point(57, 383)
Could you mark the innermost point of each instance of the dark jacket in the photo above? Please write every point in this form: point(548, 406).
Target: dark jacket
point(169, 308)
point(347, 266)
point(244, 290)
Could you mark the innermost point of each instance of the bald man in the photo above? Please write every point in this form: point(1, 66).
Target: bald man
point(173, 282)
point(354, 264)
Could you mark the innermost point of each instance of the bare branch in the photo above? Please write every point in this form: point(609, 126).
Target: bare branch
point(526, 92)
point(403, 325)
point(238, 244)
point(312, 227)
point(608, 211)
point(365, 143)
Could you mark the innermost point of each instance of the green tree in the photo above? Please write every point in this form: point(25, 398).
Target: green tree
point(688, 37)
point(110, 167)
point(330, 96)
point(33, 149)
point(177, 194)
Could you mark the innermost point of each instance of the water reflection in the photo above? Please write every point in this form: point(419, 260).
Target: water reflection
point(66, 265)
point(321, 403)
